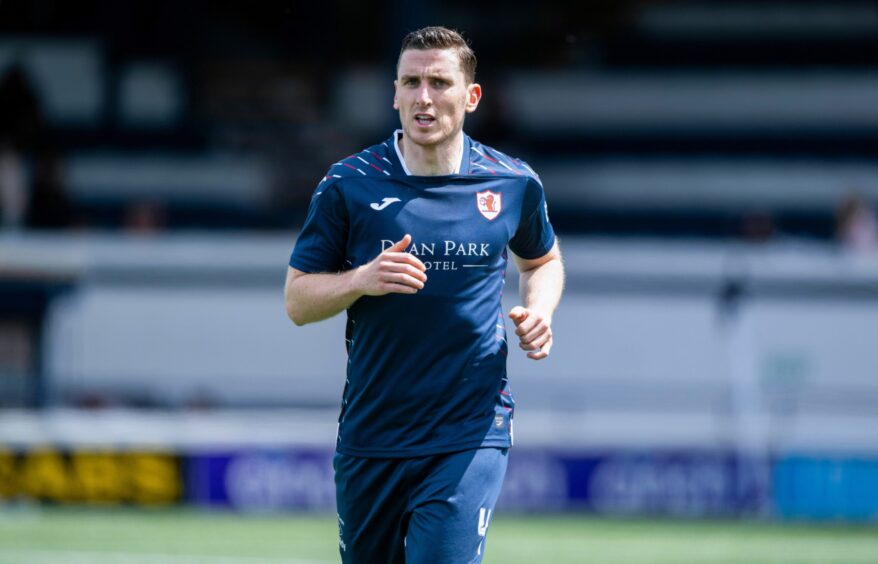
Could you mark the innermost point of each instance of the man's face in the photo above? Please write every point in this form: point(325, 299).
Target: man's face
point(432, 95)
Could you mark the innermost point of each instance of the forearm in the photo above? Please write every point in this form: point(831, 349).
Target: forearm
point(315, 297)
point(541, 287)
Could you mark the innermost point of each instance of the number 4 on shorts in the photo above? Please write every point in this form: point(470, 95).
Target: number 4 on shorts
point(484, 520)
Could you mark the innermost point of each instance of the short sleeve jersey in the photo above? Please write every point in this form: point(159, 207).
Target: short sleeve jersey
point(427, 371)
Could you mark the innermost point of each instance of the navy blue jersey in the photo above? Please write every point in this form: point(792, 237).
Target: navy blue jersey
point(426, 372)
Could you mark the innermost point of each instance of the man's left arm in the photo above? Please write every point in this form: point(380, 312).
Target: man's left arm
point(541, 282)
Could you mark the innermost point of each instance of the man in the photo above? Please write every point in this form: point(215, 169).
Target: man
point(410, 238)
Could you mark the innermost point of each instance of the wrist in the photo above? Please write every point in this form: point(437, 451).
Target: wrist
point(354, 286)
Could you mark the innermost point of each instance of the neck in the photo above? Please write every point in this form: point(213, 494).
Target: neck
point(433, 160)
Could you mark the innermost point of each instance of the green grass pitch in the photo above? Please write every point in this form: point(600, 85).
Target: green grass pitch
point(35, 536)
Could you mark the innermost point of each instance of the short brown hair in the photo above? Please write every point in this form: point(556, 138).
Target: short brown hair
point(438, 37)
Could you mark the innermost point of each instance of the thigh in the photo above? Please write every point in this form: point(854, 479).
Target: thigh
point(453, 505)
point(371, 503)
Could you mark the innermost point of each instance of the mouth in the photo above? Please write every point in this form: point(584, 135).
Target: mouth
point(424, 119)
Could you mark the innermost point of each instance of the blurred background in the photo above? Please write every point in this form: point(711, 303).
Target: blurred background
point(711, 168)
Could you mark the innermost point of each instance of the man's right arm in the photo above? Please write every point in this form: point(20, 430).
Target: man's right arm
point(314, 297)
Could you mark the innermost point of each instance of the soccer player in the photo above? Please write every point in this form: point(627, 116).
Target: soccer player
point(410, 237)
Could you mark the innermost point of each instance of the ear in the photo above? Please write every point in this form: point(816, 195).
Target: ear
point(473, 95)
point(395, 99)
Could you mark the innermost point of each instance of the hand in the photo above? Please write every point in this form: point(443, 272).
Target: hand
point(393, 271)
point(534, 331)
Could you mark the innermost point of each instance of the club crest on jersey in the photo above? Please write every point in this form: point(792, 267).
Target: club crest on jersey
point(489, 203)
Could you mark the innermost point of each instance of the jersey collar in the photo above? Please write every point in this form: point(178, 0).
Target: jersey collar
point(462, 165)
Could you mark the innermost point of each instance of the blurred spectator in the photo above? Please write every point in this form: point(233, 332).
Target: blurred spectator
point(856, 224)
point(758, 226)
point(13, 188)
point(21, 118)
point(49, 206)
point(42, 203)
point(145, 218)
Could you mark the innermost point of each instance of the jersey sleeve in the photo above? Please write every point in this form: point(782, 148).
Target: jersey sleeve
point(321, 244)
point(534, 237)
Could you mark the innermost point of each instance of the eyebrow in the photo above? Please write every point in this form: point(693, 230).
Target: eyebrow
point(446, 77)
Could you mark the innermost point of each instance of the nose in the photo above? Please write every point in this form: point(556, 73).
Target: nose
point(424, 96)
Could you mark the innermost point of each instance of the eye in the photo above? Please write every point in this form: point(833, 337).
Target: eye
point(438, 83)
point(410, 81)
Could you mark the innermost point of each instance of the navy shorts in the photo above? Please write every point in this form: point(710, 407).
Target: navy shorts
point(432, 509)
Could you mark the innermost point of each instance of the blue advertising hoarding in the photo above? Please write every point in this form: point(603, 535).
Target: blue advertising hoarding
point(263, 480)
point(680, 484)
point(683, 484)
point(826, 488)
